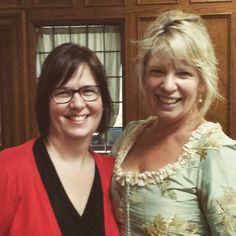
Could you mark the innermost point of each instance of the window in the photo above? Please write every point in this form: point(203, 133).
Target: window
point(105, 41)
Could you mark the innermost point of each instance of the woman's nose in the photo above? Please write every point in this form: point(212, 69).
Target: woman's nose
point(169, 83)
point(77, 101)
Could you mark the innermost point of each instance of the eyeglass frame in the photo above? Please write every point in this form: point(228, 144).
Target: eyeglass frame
point(74, 91)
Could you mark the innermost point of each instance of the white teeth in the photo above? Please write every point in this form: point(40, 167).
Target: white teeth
point(168, 100)
point(78, 118)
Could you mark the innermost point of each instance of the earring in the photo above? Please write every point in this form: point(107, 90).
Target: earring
point(200, 99)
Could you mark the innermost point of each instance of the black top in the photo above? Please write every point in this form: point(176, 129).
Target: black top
point(91, 222)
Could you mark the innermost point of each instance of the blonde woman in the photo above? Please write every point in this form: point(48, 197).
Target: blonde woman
point(175, 172)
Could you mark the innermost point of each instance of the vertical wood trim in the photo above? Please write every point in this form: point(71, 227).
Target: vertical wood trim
point(232, 121)
point(13, 83)
point(223, 79)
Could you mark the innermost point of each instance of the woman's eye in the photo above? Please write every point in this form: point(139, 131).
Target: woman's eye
point(157, 72)
point(63, 94)
point(88, 91)
point(184, 74)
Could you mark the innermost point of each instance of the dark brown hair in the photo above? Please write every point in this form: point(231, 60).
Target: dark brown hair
point(57, 70)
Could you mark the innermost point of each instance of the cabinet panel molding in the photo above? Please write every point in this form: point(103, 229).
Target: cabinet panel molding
point(209, 1)
point(10, 3)
point(140, 2)
point(105, 2)
point(54, 3)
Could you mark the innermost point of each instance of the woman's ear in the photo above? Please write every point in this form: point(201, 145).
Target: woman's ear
point(201, 92)
point(202, 88)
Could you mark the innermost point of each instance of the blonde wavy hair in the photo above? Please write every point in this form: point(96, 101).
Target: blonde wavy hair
point(186, 37)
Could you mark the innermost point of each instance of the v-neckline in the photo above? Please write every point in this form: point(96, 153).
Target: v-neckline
point(59, 186)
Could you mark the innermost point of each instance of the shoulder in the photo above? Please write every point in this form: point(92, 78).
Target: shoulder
point(223, 156)
point(217, 151)
point(104, 160)
point(14, 156)
point(214, 140)
point(17, 149)
point(17, 168)
point(210, 136)
point(105, 164)
point(129, 134)
point(137, 124)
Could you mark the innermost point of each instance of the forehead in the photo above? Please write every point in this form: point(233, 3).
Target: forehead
point(165, 58)
point(82, 76)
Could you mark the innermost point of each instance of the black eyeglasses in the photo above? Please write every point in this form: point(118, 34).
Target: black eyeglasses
point(65, 95)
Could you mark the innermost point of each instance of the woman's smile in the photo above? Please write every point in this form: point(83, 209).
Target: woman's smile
point(168, 100)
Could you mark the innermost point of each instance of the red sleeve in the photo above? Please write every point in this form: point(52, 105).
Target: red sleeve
point(105, 165)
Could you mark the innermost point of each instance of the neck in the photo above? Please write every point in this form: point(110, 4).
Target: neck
point(68, 149)
point(187, 125)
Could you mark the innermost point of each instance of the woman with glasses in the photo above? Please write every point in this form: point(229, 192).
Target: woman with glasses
point(55, 184)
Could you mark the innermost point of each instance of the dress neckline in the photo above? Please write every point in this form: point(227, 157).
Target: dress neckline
point(190, 148)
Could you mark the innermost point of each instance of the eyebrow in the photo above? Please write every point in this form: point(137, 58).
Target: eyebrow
point(89, 85)
point(160, 66)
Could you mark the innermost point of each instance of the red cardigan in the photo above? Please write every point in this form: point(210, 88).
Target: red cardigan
point(25, 208)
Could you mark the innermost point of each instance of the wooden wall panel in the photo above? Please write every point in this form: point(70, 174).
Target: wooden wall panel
point(51, 3)
point(219, 30)
point(105, 2)
point(232, 88)
point(12, 3)
point(209, 1)
point(13, 79)
point(142, 25)
point(156, 1)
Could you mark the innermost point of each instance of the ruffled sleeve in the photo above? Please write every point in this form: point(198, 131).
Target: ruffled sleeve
point(217, 188)
point(125, 138)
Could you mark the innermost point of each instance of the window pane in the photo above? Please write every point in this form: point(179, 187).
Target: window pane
point(117, 118)
point(100, 55)
point(45, 42)
point(61, 35)
point(99, 143)
point(96, 38)
point(112, 38)
point(79, 35)
point(104, 143)
point(112, 134)
point(113, 63)
point(39, 61)
point(115, 88)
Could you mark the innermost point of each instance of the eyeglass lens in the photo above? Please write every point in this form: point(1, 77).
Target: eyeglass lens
point(64, 95)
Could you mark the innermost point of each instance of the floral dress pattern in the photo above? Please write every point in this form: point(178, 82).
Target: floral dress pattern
point(196, 195)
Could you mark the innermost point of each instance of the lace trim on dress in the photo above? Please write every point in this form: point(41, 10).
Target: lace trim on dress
point(153, 177)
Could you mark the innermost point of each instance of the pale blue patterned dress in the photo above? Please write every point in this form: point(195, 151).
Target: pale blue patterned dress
point(194, 196)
